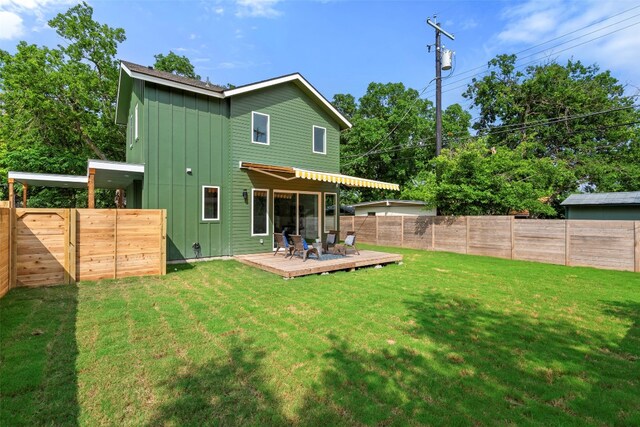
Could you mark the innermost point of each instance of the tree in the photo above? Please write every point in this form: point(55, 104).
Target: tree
point(391, 138)
point(570, 112)
point(475, 178)
point(59, 104)
point(173, 63)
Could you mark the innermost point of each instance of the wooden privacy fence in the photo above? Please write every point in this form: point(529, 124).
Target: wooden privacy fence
point(42, 247)
point(611, 245)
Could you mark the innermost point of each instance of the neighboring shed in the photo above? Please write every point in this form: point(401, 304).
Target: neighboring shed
point(622, 205)
point(393, 208)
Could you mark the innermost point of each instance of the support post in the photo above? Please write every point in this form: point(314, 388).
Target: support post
point(24, 195)
point(91, 199)
point(12, 194)
point(438, 95)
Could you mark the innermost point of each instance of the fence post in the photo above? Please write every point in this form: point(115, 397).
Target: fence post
point(163, 242)
point(73, 242)
point(13, 231)
point(115, 244)
point(466, 238)
point(377, 230)
point(567, 246)
point(636, 244)
point(513, 237)
point(67, 235)
point(402, 231)
point(433, 233)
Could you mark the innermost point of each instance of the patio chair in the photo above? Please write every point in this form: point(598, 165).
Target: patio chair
point(331, 240)
point(350, 240)
point(298, 247)
point(282, 243)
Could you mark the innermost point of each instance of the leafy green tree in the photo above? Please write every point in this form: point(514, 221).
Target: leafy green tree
point(58, 104)
point(571, 112)
point(391, 138)
point(477, 179)
point(177, 64)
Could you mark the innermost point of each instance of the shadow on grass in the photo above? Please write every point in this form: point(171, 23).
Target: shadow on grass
point(38, 380)
point(471, 365)
point(228, 390)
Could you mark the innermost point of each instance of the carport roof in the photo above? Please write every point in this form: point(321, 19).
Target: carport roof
point(49, 179)
point(107, 174)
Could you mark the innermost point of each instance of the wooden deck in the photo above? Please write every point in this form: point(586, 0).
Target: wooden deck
point(288, 268)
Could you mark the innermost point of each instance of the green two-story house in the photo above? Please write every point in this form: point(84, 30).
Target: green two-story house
point(232, 166)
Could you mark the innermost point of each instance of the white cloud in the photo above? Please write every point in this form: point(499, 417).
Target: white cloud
point(193, 36)
point(219, 10)
point(10, 25)
point(257, 9)
point(469, 24)
point(538, 21)
point(14, 12)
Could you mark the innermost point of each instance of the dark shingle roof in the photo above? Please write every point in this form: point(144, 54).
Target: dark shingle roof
point(150, 71)
point(621, 198)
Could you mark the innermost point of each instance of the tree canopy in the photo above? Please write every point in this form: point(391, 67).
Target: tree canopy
point(571, 112)
point(58, 103)
point(475, 178)
point(392, 137)
point(174, 63)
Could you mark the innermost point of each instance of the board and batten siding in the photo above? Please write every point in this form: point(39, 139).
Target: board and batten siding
point(186, 130)
point(292, 115)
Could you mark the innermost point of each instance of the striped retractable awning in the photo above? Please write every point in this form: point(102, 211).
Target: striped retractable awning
point(336, 178)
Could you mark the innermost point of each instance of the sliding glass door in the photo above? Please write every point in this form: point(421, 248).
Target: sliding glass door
point(299, 213)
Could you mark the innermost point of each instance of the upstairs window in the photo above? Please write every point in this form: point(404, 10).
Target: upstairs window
point(210, 202)
point(319, 140)
point(259, 128)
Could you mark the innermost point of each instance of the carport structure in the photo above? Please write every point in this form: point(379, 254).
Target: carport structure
point(100, 174)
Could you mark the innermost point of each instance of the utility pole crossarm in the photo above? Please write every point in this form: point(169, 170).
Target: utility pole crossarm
point(440, 29)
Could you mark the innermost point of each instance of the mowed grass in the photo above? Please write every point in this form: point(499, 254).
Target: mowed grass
point(442, 339)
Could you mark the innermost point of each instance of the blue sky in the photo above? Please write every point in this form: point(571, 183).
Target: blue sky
point(342, 46)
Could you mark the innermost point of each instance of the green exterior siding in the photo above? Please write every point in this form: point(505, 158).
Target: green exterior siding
point(292, 117)
point(185, 130)
point(603, 212)
point(181, 129)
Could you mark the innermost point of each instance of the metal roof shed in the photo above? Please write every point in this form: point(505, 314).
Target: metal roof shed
point(603, 206)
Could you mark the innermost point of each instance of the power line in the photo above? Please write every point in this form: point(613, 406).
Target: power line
point(372, 150)
point(449, 89)
point(502, 129)
point(551, 40)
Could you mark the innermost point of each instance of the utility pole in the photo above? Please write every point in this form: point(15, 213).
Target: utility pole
point(438, 50)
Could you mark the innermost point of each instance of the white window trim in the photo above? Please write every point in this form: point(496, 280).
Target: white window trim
point(268, 128)
point(253, 190)
point(135, 121)
point(218, 210)
point(336, 212)
point(313, 142)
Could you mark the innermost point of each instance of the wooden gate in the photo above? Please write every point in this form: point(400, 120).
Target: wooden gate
point(42, 247)
point(42, 256)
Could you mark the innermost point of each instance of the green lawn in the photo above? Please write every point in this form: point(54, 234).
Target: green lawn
point(441, 339)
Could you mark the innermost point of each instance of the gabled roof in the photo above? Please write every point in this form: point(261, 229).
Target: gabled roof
point(620, 198)
point(149, 74)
